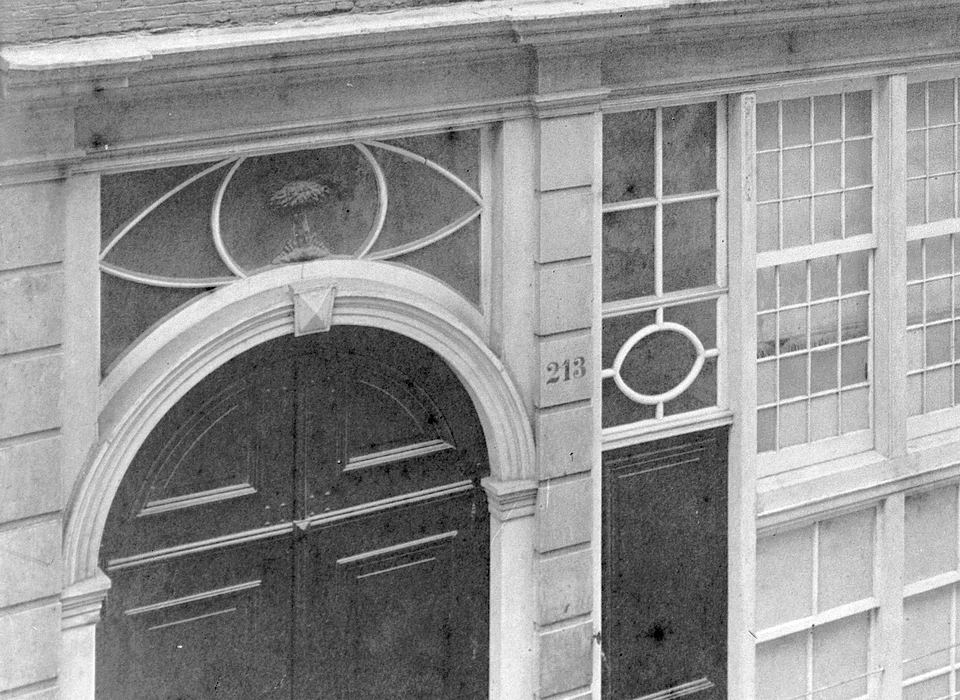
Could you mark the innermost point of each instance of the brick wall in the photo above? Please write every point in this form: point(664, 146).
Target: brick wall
point(24, 21)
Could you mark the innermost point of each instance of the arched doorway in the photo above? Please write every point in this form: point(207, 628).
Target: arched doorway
point(306, 522)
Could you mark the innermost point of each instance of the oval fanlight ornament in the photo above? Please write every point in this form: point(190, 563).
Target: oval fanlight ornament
point(286, 208)
point(615, 372)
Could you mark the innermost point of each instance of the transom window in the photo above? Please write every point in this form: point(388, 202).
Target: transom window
point(663, 263)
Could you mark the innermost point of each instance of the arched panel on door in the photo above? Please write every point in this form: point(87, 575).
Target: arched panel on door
point(306, 521)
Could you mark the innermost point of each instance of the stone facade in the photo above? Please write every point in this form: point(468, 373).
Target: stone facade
point(126, 93)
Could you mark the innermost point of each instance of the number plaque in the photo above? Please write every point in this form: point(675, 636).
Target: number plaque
point(565, 370)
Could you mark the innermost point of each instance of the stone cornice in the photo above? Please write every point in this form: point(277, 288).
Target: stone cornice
point(494, 26)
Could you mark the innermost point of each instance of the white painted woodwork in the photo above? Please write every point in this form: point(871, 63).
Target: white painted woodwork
point(742, 377)
point(890, 269)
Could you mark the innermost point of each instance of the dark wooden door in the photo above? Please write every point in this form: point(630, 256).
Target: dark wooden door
point(665, 568)
point(306, 523)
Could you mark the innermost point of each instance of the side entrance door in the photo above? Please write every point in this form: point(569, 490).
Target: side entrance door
point(305, 524)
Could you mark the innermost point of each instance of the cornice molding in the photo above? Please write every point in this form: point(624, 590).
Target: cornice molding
point(108, 63)
point(508, 500)
point(81, 602)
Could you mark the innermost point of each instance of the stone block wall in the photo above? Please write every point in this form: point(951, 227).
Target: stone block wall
point(23, 21)
point(31, 375)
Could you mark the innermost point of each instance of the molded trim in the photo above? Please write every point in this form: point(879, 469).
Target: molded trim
point(193, 342)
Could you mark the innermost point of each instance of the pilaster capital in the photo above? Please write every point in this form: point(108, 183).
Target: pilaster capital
point(508, 500)
point(81, 601)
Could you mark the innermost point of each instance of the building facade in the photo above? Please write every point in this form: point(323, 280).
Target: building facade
point(480, 349)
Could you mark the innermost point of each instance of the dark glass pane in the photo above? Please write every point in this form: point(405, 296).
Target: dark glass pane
point(174, 240)
point(701, 394)
point(916, 105)
point(628, 262)
point(125, 195)
point(768, 126)
point(658, 363)
point(690, 148)
point(454, 260)
point(617, 408)
point(127, 309)
point(628, 155)
point(796, 122)
point(689, 245)
point(700, 317)
point(826, 117)
point(290, 206)
point(857, 110)
point(421, 200)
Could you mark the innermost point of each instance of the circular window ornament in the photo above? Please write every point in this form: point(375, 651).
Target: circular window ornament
point(633, 341)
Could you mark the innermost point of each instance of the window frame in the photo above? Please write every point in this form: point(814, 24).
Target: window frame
point(668, 425)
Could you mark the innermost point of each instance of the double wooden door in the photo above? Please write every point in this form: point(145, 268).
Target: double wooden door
point(305, 524)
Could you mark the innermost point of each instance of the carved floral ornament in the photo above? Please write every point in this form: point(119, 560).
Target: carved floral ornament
point(265, 211)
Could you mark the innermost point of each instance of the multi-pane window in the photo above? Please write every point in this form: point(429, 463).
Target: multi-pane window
point(815, 610)
point(814, 259)
point(933, 251)
point(663, 277)
point(931, 666)
point(932, 165)
point(933, 307)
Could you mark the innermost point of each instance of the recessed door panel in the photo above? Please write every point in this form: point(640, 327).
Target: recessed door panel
point(402, 594)
point(665, 568)
point(200, 626)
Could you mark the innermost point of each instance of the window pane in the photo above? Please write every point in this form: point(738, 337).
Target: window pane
point(628, 155)
point(846, 559)
point(784, 577)
point(796, 172)
point(858, 220)
point(824, 417)
point(796, 223)
point(858, 163)
point(937, 252)
point(628, 260)
point(823, 370)
point(930, 533)
point(854, 410)
point(857, 120)
point(768, 126)
point(926, 632)
point(782, 668)
point(689, 245)
point(840, 651)
point(796, 122)
point(916, 105)
point(941, 102)
point(933, 689)
point(793, 424)
point(828, 225)
point(768, 176)
point(826, 117)
point(689, 148)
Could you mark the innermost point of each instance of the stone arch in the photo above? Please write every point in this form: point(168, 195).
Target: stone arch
point(193, 342)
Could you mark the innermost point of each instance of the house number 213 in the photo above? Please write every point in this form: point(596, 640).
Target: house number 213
point(566, 370)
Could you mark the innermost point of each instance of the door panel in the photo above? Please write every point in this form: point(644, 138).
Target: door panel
point(217, 464)
point(201, 626)
point(305, 523)
point(665, 568)
point(403, 595)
